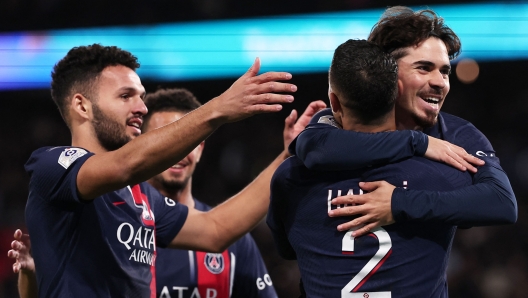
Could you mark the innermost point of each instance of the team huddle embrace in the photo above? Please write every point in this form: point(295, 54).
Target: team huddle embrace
point(366, 195)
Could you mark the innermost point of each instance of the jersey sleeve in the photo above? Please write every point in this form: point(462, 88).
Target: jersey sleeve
point(324, 146)
point(53, 173)
point(276, 213)
point(169, 216)
point(489, 201)
point(251, 276)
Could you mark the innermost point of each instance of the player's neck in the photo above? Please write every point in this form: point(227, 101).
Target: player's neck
point(182, 196)
point(405, 121)
point(89, 143)
point(385, 123)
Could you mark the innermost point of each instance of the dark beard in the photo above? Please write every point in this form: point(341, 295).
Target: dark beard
point(108, 131)
point(425, 123)
point(170, 187)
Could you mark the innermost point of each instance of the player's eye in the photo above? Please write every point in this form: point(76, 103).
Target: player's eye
point(446, 71)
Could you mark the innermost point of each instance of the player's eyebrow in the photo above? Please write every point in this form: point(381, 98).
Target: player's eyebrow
point(132, 90)
point(431, 64)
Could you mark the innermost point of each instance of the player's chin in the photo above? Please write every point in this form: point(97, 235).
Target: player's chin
point(429, 120)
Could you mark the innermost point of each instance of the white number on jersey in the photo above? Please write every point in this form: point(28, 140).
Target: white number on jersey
point(385, 245)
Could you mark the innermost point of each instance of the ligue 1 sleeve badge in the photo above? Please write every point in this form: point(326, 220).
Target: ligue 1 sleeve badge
point(214, 263)
point(69, 155)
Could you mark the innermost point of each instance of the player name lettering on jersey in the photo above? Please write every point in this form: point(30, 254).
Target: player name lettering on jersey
point(209, 292)
point(337, 193)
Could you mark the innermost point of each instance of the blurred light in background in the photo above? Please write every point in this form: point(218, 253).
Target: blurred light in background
point(467, 70)
point(298, 44)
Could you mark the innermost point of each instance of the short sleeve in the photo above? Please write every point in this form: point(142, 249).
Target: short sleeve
point(53, 173)
point(169, 216)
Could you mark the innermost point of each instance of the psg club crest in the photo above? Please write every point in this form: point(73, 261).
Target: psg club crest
point(214, 263)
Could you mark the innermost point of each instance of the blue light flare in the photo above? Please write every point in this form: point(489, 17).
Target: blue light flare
point(215, 49)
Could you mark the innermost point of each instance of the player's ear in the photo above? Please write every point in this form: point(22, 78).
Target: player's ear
point(81, 106)
point(337, 109)
point(334, 103)
point(400, 88)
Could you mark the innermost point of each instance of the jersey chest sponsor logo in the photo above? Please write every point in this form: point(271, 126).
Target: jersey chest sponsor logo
point(141, 241)
point(69, 155)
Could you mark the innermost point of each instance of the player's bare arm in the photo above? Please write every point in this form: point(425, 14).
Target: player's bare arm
point(157, 150)
point(24, 265)
point(241, 213)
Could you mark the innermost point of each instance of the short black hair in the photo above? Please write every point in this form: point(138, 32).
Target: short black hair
point(401, 27)
point(170, 100)
point(366, 78)
point(80, 68)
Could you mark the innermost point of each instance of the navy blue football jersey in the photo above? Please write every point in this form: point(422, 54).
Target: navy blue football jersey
point(490, 200)
point(237, 272)
point(102, 248)
point(399, 260)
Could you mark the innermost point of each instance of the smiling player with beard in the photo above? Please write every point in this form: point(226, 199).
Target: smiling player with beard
point(423, 46)
point(94, 223)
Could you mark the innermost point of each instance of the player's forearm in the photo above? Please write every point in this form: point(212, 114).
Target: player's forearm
point(490, 201)
point(244, 211)
point(27, 284)
point(337, 149)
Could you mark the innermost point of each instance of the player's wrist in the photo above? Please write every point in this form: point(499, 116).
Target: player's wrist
point(212, 113)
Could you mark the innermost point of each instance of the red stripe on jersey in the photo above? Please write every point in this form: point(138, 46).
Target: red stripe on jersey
point(141, 200)
point(213, 272)
point(153, 273)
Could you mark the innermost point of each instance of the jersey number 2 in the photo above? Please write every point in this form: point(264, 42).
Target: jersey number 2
point(385, 245)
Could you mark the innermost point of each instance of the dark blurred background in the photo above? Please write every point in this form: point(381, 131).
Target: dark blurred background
point(485, 262)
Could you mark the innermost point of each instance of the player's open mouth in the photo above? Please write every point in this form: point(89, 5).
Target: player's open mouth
point(179, 166)
point(135, 123)
point(432, 101)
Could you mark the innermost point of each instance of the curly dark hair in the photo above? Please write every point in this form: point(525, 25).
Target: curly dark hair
point(400, 27)
point(170, 100)
point(79, 69)
point(366, 79)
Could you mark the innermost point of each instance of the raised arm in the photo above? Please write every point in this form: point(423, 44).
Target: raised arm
point(217, 229)
point(157, 150)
